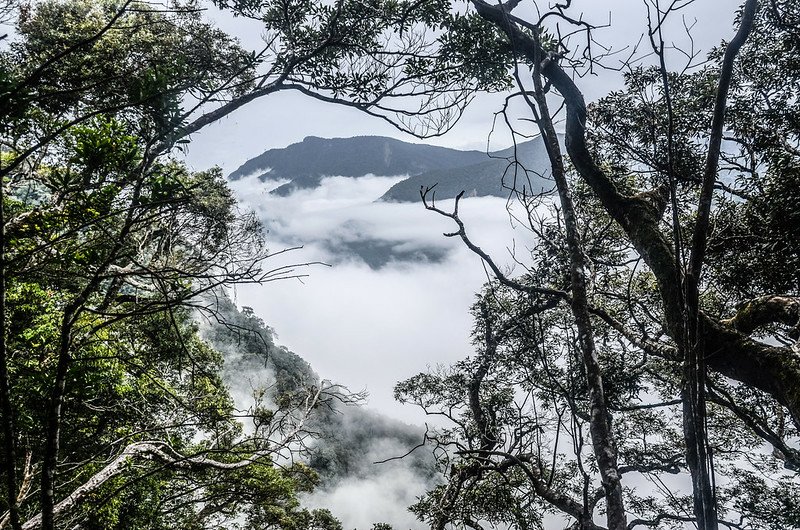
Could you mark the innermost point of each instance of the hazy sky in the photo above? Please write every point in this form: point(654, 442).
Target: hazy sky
point(369, 328)
point(284, 118)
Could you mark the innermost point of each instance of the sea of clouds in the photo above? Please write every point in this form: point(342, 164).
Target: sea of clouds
point(368, 323)
point(368, 326)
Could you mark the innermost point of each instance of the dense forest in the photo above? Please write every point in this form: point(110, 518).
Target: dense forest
point(642, 371)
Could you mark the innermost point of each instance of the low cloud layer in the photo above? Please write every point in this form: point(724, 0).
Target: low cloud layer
point(383, 497)
point(370, 483)
point(341, 214)
point(365, 326)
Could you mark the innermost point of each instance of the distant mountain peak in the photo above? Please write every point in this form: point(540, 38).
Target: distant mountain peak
point(524, 165)
point(317, 157)
point(305, 163)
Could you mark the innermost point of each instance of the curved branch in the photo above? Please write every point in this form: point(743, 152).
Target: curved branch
point(770, 369)
point(638, 215)
point(700, 237)
point(462, 233)
point(485, 428)
point(558, 500)
point(146, 450)
point(764, 310)
point(789, 455)
point(163, 453)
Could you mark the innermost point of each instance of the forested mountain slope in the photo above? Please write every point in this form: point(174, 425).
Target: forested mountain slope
point(496, 175)
point(348, 439)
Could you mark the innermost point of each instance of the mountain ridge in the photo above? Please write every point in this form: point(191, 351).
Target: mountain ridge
point(348, 438)
point(524, 166)
point(478, 173)
point(356, 156)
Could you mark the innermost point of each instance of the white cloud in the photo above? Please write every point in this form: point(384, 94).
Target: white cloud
point(382, 497)
point(364, 327)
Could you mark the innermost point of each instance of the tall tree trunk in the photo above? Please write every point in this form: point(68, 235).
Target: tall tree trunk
point(53, 432)
point(600, 427)
point(698, 452)
point(72, 312)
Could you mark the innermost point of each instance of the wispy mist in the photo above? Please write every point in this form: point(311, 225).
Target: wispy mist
point(382, 497)
point(369, 482)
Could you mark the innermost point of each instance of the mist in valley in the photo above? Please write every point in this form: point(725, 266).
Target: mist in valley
point(385, 295)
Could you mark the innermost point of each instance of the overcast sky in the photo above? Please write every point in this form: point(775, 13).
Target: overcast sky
point(369, 328)
point(284, 118)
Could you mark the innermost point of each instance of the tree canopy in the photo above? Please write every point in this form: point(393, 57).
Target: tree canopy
point(653, 332)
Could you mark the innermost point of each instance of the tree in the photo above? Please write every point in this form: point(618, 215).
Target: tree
point(108, 243)
point(636, 313)
point(115, 241)
point(103, 263)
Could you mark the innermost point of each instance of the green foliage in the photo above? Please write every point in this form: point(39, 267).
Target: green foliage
point(499, 501)
point(141, 66)
point(108, 244)
point(481, 48)
point(757, 246)
point(771, 503)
